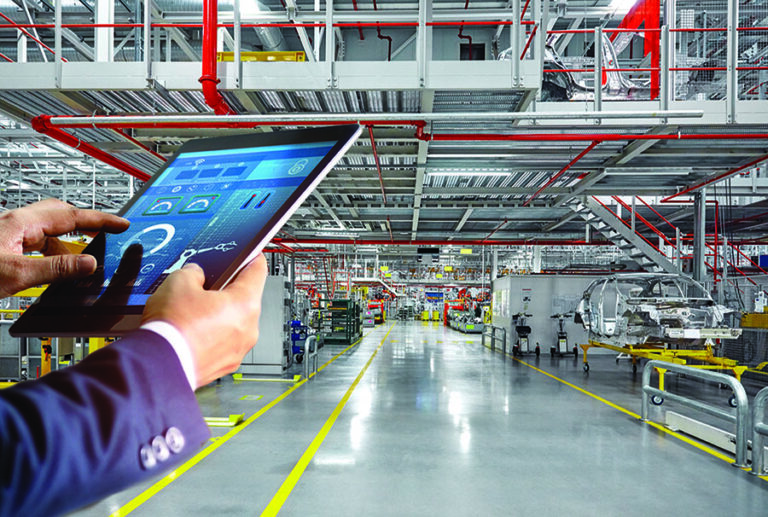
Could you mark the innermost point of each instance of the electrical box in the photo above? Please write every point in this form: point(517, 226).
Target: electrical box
point(270, 355)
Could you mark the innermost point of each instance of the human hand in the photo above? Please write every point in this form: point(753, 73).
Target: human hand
point(35, 228)
point(220, 326)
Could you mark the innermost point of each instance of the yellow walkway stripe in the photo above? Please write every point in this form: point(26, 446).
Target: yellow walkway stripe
point(197, 458)
point(709, 450)
point(288, 485)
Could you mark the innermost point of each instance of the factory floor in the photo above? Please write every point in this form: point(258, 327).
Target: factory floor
point(419, 419)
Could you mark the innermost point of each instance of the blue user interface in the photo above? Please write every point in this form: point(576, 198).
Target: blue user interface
point(206, 207)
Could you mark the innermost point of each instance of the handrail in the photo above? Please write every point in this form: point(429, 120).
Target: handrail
point(494, 338)
point(741, 419)
point(759, 430)
point(645, 221)
point(310, 356)
point(629, 226)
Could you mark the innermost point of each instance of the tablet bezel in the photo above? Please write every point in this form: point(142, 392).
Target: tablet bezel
point(34, 324)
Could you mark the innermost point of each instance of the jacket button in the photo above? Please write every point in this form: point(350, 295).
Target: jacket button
point(174, 439)
point(147, 457)
point(160, 448)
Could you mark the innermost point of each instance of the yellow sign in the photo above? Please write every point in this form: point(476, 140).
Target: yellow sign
point(384, 268)
point(439, 275)
point(388, 275)
point(448, 268)
point(466, 251)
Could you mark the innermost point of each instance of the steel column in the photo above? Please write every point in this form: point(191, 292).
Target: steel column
point(699, 236)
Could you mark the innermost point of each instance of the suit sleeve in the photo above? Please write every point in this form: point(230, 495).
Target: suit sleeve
point(123, 414)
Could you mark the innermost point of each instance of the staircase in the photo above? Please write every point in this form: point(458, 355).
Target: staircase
point(323, 276)
point(633, 244)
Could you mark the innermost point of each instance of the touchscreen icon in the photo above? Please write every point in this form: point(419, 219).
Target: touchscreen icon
point(298, 167)
point(199, 204)
point(252, 199)
point(162, 205)
point(263, 200)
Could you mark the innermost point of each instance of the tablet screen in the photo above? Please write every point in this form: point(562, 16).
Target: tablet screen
point(205, 208)
point(216, 203)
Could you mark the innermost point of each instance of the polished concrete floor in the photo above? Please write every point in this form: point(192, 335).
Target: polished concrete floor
point(440, 425)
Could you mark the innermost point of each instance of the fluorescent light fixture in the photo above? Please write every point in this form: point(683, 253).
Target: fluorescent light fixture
point(622, 6)
point(473, 174)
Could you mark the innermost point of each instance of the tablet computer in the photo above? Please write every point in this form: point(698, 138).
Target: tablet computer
point(217, 202)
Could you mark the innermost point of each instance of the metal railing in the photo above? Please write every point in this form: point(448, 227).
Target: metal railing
point(492, 335)
point(310, 356)
point(741, 419)
point(759, 431)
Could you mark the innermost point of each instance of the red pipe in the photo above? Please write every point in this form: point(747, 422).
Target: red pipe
point(30, 36)
point(382, 37)
point(525, 8)
point(6, 58)
point(528, 43)
point(359, 28)
point(519, 242)
point(41, 124)
point(582, 137)
point(562, 171)
point(716, 178)
point(496, 229)
point(378, 164)
point(209, 80)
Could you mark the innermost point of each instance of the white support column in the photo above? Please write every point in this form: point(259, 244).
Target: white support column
point(238, 45)
point(495, 265)
point(21, 47)
point(515, 34)
point(104, 37)
point(57, 47)
point(598, 71)
point(330, 44)
point(148, 38)
point(424, 41)
point(667, 78)
point(732, 53)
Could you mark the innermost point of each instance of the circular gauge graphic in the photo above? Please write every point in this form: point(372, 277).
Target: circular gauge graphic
point(298, 167)
point(152, 238)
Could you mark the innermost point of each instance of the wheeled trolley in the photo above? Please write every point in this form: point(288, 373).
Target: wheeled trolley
point(561, 346)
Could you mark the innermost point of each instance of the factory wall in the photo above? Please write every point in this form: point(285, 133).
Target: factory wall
point(542, 296)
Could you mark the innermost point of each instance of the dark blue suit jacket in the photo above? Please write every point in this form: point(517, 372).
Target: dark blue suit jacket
point(123, 414)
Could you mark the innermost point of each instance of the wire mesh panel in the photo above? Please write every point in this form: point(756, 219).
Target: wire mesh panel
point(700, 50)
point(752, 65)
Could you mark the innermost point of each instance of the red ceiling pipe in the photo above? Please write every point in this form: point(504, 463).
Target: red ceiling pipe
point(499, 227)
point(378, 164)
point(518, 242)
point(209, 80)
point(360, 29)
point(562, 171)
point(716, 178)
point(579, 137)
point(41, 124)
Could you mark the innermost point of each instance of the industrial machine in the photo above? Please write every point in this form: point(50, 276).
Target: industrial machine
point(561, 347)
point(523, 345)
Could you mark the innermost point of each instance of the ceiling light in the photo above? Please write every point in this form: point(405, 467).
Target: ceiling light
point(622, 6)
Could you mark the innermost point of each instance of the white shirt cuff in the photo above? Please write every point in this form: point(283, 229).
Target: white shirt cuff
point(179, 344)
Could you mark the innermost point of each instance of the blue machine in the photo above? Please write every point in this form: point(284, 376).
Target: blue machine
point(299, 335)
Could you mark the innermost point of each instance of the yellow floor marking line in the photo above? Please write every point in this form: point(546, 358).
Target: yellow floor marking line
point(655, 425)
point(224, 421)
point(251, 397)
point(145, 496)
point(288, 485)
point(238, 377)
